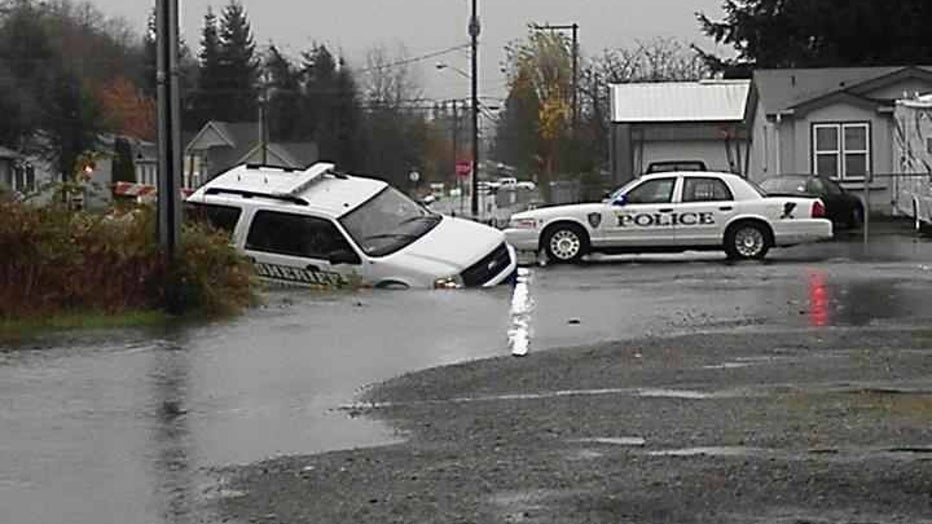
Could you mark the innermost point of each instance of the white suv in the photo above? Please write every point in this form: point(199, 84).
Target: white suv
point(323, 227)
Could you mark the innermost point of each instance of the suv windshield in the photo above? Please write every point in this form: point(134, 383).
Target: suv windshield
point(388, 222)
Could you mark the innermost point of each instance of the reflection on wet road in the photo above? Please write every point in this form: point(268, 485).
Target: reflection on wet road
point(119, 427)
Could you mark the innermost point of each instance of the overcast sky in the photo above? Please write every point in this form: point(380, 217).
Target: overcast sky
point(423, 26)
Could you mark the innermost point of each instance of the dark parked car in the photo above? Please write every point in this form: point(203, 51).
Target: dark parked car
point(841, 207)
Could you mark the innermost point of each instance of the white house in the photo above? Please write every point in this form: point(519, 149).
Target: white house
point(835, 122)
point(680, 121)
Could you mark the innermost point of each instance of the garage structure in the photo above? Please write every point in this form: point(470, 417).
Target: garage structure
point(706, 121)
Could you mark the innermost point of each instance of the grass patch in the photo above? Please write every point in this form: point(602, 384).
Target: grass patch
point(25, 328)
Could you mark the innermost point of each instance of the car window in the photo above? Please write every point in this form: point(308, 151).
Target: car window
point(657, 191)
point(223, 218)
point(294, 235)
point(785, 186)
point(705, 190)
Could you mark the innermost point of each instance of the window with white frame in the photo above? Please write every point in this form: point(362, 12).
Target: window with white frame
point(841, 150)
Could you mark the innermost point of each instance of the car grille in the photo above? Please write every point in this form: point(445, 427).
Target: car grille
point(490, 265)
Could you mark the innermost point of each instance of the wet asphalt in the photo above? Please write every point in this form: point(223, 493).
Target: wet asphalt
point(121, 426)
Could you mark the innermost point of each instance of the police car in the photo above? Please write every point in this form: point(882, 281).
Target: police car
point(671, 212)
point(321, 227)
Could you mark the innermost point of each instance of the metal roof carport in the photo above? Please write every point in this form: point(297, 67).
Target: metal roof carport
point(706, 120)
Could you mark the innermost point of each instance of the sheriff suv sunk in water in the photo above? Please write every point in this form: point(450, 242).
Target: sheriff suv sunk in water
point(322, 227)
point(672, 212)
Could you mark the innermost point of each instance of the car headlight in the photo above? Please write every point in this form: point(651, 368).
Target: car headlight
point(523, 223)
point(451, 282)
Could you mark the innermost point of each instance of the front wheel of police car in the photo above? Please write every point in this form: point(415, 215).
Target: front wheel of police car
point(565, 243)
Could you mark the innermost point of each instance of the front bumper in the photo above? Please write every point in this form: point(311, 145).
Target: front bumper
point(800, 231)
point(523, 239)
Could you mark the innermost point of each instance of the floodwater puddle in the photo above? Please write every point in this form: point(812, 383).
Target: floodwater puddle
point(519, 332)
point(614, 441)
point(833, 454)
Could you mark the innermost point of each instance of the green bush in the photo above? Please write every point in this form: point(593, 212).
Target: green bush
point(57, 261)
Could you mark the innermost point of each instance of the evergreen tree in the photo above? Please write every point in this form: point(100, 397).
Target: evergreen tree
point(284, 97)
point(238, 66)
point(72, 124)
point(124, 169)
point(27, 64)
point(150, 57)
point(208, 97)
point(819, 33)
point(320, 74)
point(348, 121)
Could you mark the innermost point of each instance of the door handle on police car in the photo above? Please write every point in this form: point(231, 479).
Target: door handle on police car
point(725, 208)
point(666, 210)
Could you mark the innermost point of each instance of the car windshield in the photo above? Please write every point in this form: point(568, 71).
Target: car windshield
point(790, 185)
point(388, 222)
point(614, 195)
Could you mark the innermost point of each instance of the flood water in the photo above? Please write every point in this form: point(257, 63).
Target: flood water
point(122, 426)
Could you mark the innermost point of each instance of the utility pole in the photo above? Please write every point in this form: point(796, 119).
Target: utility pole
point(263, 118)
point(169, 119)
point(456, 133)
point(474, 30)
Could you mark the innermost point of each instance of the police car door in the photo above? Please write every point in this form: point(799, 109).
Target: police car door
point(705, 206)
point(643, 215)
point(298, 249)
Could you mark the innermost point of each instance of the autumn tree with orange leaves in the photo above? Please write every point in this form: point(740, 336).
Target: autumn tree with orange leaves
point(540, 80)
point(127, 110)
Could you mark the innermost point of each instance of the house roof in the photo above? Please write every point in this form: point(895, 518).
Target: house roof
point(784, 89)
point(243, 138)
point(704, 101)
point(7, 153)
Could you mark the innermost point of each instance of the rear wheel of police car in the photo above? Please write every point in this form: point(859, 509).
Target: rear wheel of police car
point(747, 241)
point(565, 243)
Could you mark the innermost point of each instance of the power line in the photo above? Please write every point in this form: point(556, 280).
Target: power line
point(420, 58)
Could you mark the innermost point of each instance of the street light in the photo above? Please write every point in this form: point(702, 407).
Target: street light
point(443, 65)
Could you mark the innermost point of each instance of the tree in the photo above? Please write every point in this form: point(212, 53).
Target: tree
point(208, 97)
point(127, 110)
point(347, 121)
point(73, 124)
point(820, 33)
point(124, 169)
point(283, 90)
point(539, 73)
point(238, 69)
point(150, 57)
point(394, 130)
point(654, 60)
point(27, 59)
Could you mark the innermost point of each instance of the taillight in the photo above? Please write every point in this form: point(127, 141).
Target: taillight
point(818, 209)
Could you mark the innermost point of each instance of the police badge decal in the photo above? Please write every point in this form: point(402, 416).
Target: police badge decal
point(595, 219)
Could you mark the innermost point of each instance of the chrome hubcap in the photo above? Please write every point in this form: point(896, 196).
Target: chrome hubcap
point(749, 242)
point(565, 244)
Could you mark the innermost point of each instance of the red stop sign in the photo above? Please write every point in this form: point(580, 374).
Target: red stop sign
point(463, 169)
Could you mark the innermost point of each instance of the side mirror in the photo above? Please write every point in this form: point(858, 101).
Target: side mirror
point(343, 256)
point(620, 201)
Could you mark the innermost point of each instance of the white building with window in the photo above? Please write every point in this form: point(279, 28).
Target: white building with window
point(835, 122)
